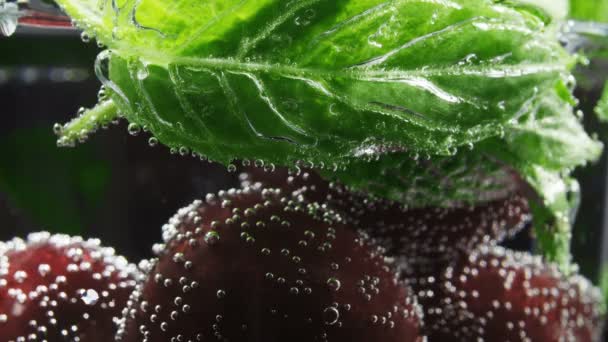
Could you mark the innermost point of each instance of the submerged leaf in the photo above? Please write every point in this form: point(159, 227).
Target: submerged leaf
point(321, 80)
point(543, 146)
point(550, 136)
point(424, 181)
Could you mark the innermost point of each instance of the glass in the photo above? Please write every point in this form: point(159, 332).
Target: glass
point(120, 189)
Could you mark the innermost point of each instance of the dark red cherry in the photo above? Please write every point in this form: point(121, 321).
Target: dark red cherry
point(494, 294)
point(423, 241)
point(253, 265)
point(61, 288)
point(412, 233)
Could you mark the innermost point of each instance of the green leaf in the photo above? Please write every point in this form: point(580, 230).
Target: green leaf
point(422, 181)
point(543, 146)
point(550, 136)
point(318, 80)
point(334, 83)
point(589, 10)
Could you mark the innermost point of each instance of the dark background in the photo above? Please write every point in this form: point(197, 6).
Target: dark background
point(121, 190)
point(115, 186)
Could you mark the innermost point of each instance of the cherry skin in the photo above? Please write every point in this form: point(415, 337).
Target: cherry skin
point(423, 241)
point(61, 288)
point(495, 294)
point(255, 265)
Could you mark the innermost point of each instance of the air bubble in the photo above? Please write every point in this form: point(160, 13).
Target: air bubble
point(153, 141)
point(142, 73)
point(183, 151)
point(58, 128)
point(101, 94)
point(334, 284)
point(44, 269)
point(305, 19)
point(502, 105)
point(212, 237)
point(90, 297)
point(331, 315)
point(85, 37)
point(20, 276)
point(220, 294)
point(134, 129)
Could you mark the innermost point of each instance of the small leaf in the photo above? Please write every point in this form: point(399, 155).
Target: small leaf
point(550, 136)
point(420, 181)
point(544, 146)
point(539, 146)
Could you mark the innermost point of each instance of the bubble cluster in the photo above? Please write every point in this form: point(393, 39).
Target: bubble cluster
point(259, 265)
point(61, 288)
point(494, 294)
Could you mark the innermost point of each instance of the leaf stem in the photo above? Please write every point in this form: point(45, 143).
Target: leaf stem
point(86, 123)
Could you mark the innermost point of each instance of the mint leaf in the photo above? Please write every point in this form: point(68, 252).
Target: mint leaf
point(549, 135)
point(542, 146)
point(473, 84)
point(320, 81)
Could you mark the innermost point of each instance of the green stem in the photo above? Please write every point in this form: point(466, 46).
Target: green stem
point(79, 128)
point(554, 233)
